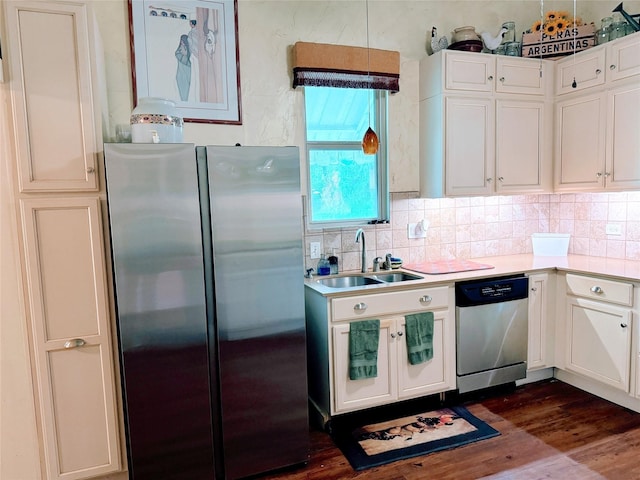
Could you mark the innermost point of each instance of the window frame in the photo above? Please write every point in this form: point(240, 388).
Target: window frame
point(379, 119)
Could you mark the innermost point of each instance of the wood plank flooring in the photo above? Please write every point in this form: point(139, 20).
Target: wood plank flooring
point(549, 430)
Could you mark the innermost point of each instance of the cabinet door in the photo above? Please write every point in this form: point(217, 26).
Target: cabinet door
point(587, 69)
point(598, 343)
point(624, 58)
point(469, 71)
point(71, 339)
point(580, 139)
point(520, 153)
point(356, 394)
point(521, 75)
point(50, 71)
point(469, 146)
point(623, 137)
point(537, 344)
point(435, 375)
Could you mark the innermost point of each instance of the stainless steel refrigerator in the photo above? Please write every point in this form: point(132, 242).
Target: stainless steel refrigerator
point(208, 273)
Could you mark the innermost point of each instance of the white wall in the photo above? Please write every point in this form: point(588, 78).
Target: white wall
point(273, 112)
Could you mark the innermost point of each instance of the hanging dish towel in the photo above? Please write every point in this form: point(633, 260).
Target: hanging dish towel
point(419, 335)
point(363, 349)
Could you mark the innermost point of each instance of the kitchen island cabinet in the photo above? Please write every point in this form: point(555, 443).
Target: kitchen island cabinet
point(331, 390)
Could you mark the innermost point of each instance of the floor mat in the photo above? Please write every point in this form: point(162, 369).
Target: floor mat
point(385, 440)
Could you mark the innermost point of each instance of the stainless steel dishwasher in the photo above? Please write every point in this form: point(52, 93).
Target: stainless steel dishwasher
point(491, 331)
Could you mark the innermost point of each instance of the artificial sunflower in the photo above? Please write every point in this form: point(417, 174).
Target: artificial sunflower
point(551, 28)
point(551, 16)
point(564, 14)
point(537, 26)
point(561, 24)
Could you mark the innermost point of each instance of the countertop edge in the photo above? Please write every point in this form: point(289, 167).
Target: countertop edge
point(621, 269)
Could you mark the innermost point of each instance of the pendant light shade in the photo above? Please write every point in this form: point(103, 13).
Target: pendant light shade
point(370, 142)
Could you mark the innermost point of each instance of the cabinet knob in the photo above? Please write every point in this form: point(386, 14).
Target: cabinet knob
point(489, 180)
point(534, 289)
point(598, 71)
point(598, 175)
point(623, 325)
point(400, 333)
point(606, 174)
point(502, 79)
point(501, 179)
point(612, 67)
point(358, 307)
point(596, 289)
point(74, 343)
point(490, 77)
point(425, 299)
point(90, 170)
point(393, 335)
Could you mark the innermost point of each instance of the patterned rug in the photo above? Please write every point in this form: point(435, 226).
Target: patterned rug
point(387, 441)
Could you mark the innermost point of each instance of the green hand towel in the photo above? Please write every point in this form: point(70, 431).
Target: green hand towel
point(363, 349)
point(419, 335)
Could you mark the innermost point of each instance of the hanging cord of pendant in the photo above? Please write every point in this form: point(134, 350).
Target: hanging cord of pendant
point(368, 59)
point(574, 32)
point(540, 30)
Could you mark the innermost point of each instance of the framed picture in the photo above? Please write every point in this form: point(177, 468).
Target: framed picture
point(187, 51)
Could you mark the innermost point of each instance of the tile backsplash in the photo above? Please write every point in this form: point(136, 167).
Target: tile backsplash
point(473, 227)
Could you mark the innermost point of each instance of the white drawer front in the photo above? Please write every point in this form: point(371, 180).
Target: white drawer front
point(600, 289)
point(380, 304)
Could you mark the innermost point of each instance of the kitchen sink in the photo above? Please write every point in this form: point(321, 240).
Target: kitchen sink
point(396, 277)
point(349, 281)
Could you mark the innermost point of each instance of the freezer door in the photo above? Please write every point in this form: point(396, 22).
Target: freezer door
point(154, 216)
point(256, 223)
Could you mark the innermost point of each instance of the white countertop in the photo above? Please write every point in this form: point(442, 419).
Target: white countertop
point(503, 265)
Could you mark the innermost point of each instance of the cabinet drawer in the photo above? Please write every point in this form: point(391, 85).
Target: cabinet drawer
point(600, 289)
point(587, 69)
point(379, 304)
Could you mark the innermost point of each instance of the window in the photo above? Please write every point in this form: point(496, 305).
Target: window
point(346, 187)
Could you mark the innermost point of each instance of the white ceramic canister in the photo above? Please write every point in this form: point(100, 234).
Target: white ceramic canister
point(156, 120)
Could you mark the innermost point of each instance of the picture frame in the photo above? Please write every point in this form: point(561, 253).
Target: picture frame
point(187, 51)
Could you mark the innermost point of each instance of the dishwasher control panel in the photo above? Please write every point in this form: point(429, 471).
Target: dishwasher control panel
point(491, 290)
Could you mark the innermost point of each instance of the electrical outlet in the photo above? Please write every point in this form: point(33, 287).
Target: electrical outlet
point(613, 229)
point(417, 230)
point(314, 249)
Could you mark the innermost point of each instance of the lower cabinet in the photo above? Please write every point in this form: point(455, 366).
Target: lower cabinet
point(71, 337)
point(540, 338)
point(598, 337)
point(328, 324)
point(397, 379)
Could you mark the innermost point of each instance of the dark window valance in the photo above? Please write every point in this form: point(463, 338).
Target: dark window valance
point(325, 65)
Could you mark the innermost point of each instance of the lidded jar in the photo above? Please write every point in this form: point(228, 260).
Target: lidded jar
point(156, 120)
point(462, 34)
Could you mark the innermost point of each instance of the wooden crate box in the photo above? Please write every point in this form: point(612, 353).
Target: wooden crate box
point(559, 45)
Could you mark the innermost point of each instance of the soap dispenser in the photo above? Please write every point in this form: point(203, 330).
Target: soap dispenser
point(323, 266)
point(333, 263)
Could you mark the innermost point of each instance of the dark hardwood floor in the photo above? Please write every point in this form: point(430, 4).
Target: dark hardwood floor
point(549, 430)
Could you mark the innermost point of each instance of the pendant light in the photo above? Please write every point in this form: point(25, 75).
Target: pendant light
point(370, 141)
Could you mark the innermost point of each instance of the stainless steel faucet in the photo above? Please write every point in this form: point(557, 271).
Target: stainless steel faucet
point(360, 234)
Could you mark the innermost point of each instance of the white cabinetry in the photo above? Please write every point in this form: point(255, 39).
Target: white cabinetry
point(597, 123)
point(52, 95)
point(71, 336)
point(50, 58)
point(328, 324)
point(598, 329)
point(541, 332)
point(486, 124)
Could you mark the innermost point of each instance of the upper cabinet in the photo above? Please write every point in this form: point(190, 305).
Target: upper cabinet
point(597, 122)
point(51, 72)
point(485, 125)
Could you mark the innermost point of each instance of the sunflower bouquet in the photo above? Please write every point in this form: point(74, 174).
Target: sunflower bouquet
point(555, 22)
